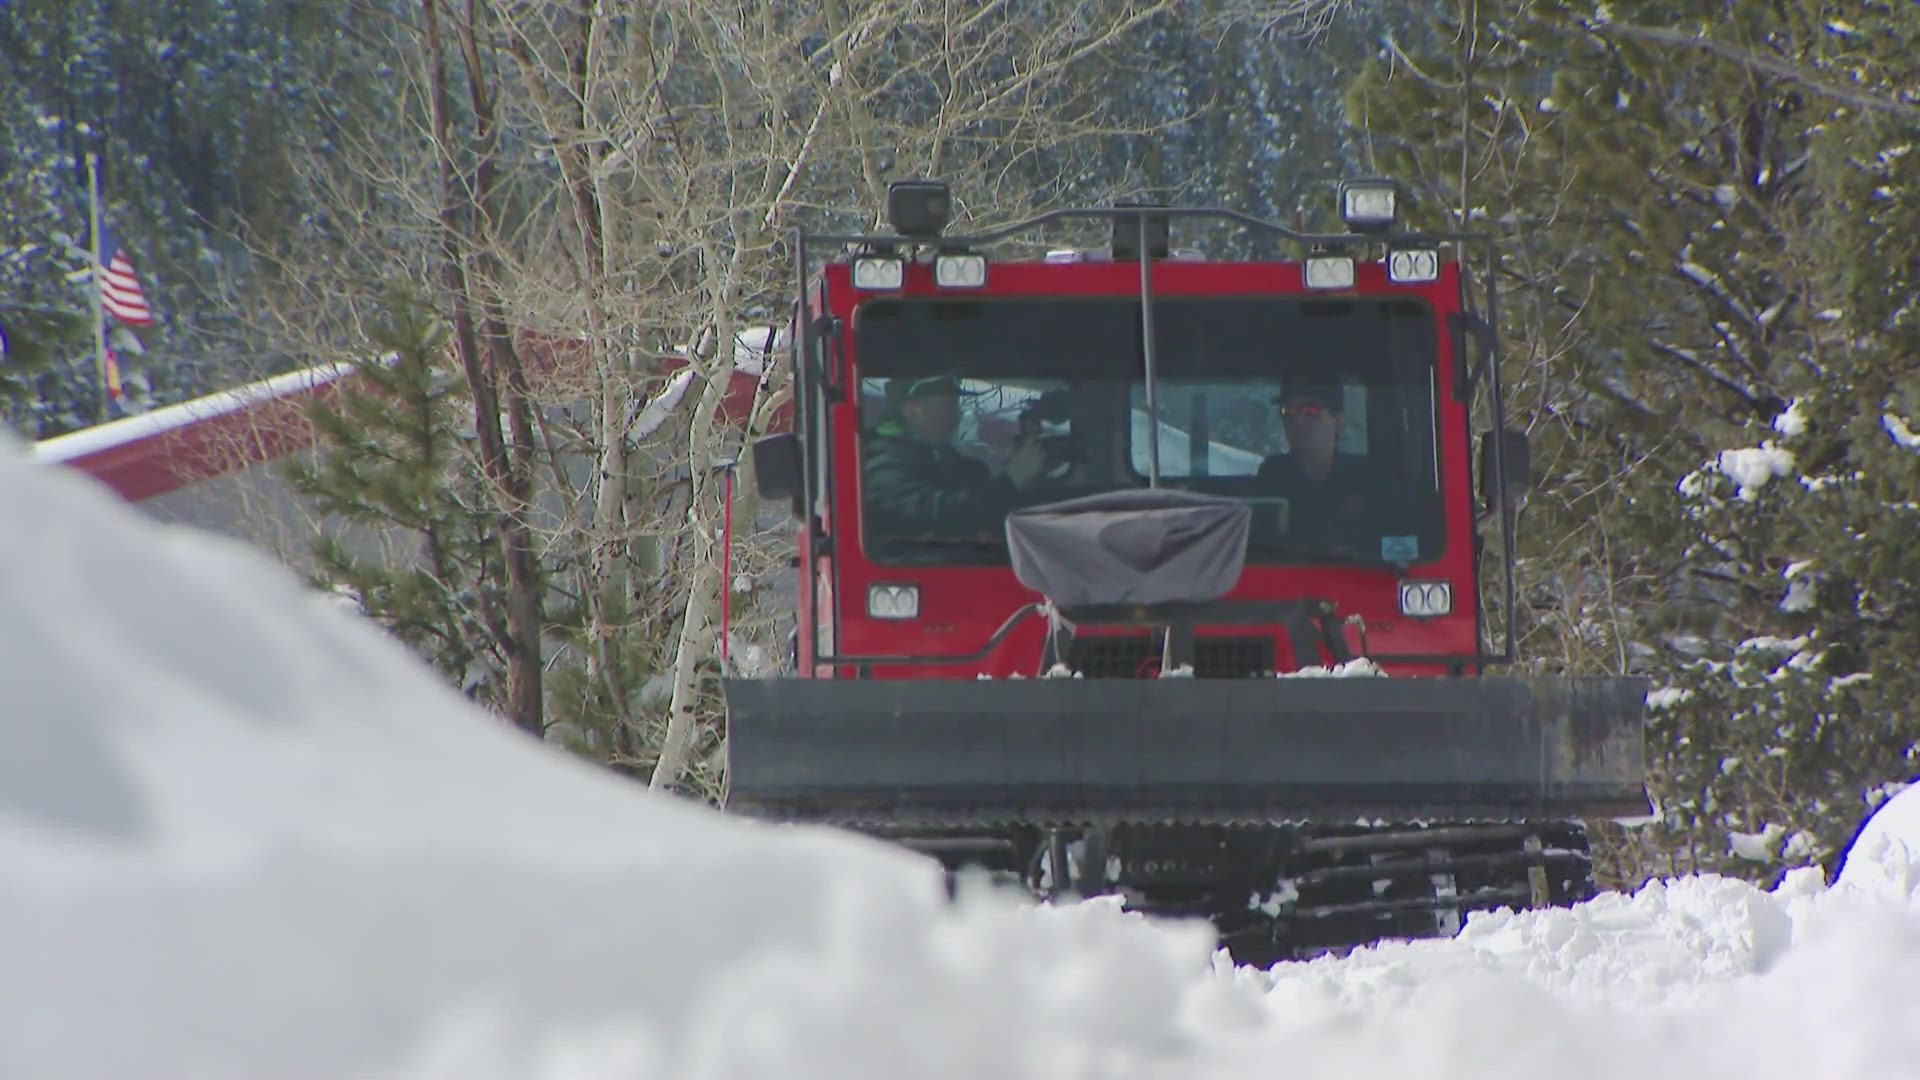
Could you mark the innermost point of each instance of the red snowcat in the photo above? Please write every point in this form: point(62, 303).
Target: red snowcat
point(1125, 570)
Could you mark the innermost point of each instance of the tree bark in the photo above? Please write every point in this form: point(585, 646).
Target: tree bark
point(697, 634)
point(508, 468)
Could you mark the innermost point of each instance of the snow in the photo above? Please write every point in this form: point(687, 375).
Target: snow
point(1792, 421)
point(245, 834)
point(1901, 433)
point(754, 346)
point(1801, 595)
point(1802, 590)
point(92, 440)
point(1884, 858)
point(1359, 667)
point(1880, 794)
point(1666, 697)
point(662, 405)
point(1772, 643)
point(1762, 846)
point(1751, 468)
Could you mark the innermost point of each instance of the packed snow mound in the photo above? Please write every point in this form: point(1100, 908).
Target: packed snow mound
point(1660, 944)
point(1884, 859)
point(244, 834)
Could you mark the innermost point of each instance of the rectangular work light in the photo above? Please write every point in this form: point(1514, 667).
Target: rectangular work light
point(878, 273)
point(960, 271)
point(1329, 272)
point(1369, 205)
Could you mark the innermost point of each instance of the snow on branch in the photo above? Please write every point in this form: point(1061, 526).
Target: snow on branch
point(1755, 62)
point(1901, 433)
point(1750, 469)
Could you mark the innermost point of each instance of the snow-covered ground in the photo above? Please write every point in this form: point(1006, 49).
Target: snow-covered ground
point(242, 834)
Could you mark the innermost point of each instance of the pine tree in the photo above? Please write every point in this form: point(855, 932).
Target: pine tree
point(1685, 204)
point(1798, 729)
point(394, 478)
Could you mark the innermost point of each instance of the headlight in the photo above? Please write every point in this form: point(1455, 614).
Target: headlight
point(1369, 205)
point(893, 601)
point(1405, 267)
point(1330, 272)
point(960, 271)
point(1425, 599)
point(878, 273)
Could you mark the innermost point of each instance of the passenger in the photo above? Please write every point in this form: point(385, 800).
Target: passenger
point(1326, 491)
point(917, 483)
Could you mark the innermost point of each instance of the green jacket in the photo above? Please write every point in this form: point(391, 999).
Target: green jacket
point(911, 486)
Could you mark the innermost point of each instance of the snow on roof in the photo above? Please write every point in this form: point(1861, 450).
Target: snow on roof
point(146, 456)
point(244, 833)
point(152, 454)
point(87, 441)
point(755, 346)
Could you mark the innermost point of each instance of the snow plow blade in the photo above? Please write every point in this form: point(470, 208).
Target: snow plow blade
point(1064, 751)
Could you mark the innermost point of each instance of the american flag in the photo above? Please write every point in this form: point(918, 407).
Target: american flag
point(120, 291)
point(112, 373)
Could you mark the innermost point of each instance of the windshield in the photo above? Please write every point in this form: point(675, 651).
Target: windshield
point(1319, 412)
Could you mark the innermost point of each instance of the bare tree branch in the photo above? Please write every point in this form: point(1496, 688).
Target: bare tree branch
point(1781, 69)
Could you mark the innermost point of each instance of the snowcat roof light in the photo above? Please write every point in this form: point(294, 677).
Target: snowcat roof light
point(1329, 272)
point(1370, 204)
point(919, 209)
point(879, 273)
point(1413, 265)
point(959, 270)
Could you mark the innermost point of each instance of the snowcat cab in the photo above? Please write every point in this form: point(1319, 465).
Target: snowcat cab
point(1121, 667)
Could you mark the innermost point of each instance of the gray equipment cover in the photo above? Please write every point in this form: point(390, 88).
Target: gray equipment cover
point(1134, 546)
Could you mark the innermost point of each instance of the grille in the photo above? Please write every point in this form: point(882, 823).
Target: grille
point(1139, 657)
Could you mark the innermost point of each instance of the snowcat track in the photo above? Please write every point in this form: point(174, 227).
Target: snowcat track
point(1280, 892)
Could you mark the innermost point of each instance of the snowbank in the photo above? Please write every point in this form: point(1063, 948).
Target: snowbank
point(1884, 858)
point(244, 835)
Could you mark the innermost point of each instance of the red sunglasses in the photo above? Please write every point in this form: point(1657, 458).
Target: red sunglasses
point(1309, 410)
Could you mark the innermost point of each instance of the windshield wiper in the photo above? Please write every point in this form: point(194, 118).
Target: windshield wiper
point(1329, 553)
point(979, 545)
point(969, 543)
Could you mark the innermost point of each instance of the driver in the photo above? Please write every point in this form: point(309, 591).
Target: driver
point(916, 481)
point(1324, 489)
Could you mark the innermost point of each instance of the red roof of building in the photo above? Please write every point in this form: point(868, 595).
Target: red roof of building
point(149, 455)
point(145, 456)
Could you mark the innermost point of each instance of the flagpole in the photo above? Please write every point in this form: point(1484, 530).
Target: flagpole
point(99, 285)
